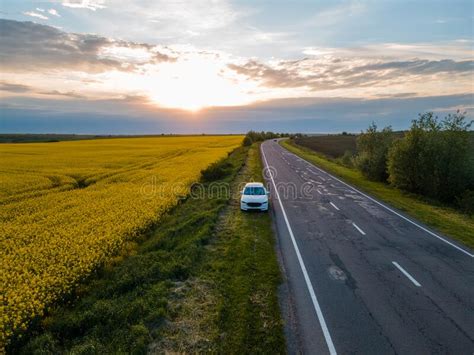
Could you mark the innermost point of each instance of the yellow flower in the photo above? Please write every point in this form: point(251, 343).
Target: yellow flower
point(67, 207)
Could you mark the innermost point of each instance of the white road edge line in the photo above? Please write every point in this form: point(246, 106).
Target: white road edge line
point(358, 228)
point(411, 278)
point(333, 205)
point(317, 308)
point(391, 210)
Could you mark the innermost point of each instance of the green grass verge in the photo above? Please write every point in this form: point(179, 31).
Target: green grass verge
point(447, 220)
point(231, 307)
point(245, 268)
point(194, 284)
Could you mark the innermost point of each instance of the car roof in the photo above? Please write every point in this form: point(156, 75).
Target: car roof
point(254, 184)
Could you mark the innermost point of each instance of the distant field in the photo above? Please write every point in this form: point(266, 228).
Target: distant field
point(52, 138)
point(31, 138)
point(333, 146)
point(68, 207)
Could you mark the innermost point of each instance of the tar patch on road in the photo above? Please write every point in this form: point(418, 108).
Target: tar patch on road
point(340, 270)
point(337, 274)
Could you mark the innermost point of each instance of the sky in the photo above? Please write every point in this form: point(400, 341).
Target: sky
point(221, 66)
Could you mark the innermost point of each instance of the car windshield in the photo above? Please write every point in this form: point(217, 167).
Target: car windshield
point(254, 190)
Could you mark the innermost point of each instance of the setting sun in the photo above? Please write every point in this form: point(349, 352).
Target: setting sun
point(196, 82)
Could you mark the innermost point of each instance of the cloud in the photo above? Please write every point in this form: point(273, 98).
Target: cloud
point(194, 16)
point(278, 76)
point(85, 4)
point(22, 89)
point(398, 95)
point(72, 65)
point(54, 12)
point(69, 94)
point(219, 23)
point(418, 66)
point(333, 72)
point(35, 14)
point(27, 46)
point(459, 49)
point(334, 14)
point(15, 88)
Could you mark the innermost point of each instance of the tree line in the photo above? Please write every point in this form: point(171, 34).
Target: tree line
point(253, 136)
point(434, 158)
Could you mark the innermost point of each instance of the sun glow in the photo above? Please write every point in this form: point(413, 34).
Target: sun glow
point(196, 83)
point(192, 82)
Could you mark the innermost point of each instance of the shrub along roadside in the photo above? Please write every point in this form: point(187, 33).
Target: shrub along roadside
point(373, 148)
point(444, 219)
point(127, 308)
point(432, 159)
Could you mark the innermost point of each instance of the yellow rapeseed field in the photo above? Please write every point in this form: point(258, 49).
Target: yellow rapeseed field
point(66, 207)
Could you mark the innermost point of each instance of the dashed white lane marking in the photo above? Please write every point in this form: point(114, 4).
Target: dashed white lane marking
point(333, 205)
point(358, 228)
point(319, 192)
point(391, 210)
point(319, 313)
point(411, 278)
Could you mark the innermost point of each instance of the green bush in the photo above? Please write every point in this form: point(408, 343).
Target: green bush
point(216, 171)
point(466, 202)
point(44, 344)
point(347, 159)
point(89, 347)
point(140, 338)
point(433, 158)
point(247, 141)
point(373, 147)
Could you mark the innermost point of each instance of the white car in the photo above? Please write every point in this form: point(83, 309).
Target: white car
point(254, 197)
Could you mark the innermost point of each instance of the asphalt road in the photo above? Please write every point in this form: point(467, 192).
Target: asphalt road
point(362, 279)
